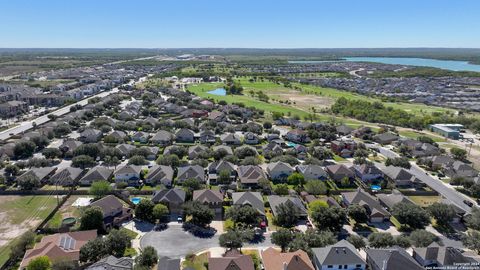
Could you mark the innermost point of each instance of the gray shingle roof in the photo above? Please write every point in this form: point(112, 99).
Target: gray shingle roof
point(340, 253)
point(253, 199)
point(391, 259)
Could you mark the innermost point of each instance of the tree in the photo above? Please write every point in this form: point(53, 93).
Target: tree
point(473, 220)
point(296, 179)
point(51, 153)
point(224, 177)
point(17, 250)
point(443, 213)
point(11, 170)
point(28, 181)
point(92, 219)
point(144, 210)
point(93, 250)
point(402, 241)
point(190, 185)
point(398, 162)
point(137, 160)
point(117, 241)
point(282, 237)
point(286, 214)
point(231, 239)
point(24, 149)
point(64, 264)
point(381, 240)
point(422, 238)
point(266, 185)
point(148, 257)
point(244, 214)
point(201, 214)
point(281, 189)
point(472, 241)
point(357, 241)
point(100, 189)
point(160, 211)
point(83, 161)
point(411, 214)
point(39, 263)
point(458, 153)
point(357, 213)
point(332, 218)
point(315, 187)
point(317, 205)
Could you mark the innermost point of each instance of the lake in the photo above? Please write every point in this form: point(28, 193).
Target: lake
point(421, 62)
point(218, 92)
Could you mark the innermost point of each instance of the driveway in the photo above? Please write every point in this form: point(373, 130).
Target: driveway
point(174, 242)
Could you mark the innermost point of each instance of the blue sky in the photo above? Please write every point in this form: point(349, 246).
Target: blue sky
point(239, 24)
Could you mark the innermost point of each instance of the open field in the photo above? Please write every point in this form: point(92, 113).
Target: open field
point(19, 214)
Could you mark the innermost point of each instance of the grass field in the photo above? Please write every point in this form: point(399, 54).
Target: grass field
point(197, 262)
point(19, 214)
point(424, 201)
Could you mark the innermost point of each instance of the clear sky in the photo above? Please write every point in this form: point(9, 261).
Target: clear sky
point(239, 23)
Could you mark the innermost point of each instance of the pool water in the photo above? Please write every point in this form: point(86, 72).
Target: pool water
point(136, 200)
point(290, 144)
point(375, 187)
point(218, 92)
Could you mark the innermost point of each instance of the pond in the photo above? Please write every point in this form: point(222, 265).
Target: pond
point(218, 92)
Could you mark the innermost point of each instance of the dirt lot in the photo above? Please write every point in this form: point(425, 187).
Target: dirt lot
point(304, 101)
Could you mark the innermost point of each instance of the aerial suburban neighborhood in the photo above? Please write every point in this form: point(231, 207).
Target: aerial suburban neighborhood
point(236, 158)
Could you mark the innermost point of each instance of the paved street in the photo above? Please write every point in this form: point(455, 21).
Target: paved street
point(447, 192)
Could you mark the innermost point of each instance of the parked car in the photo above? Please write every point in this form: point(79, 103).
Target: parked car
point(467, 202)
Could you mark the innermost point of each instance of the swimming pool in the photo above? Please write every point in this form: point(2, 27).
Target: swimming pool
point(136, 200)
point(290, 144)
point(375, 187)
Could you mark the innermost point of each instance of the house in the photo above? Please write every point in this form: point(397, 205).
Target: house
point(389, 200)
point(341, 255)
point(118, 135)
point(344, 148)
point(98, 173)
point(159, 174)
point(249, 175)
point(401, 177)
point(368, 172)
point(253, 199)
point(385, 138)
point(40, 174)
point(172, 198)
point(339, 171)
point(68, 146)
point(141, 137)
point(191, 171)
point(439, 256)
point(251, 138)
point(114, 213)
point(125, 148)
point(196, 151)
point(162, 138)
point(208, 137)
point(460, 169)
point(439, 162)
point(279, 171)
point(343, 130)
point(231, 139)
point(375, 211)
point(275, 260)
point(59, 246)
point(216, 167)
point(297, 136)
point(231, 260)
point(275, 201)
point(272, 149)
point(112, 263)
point(185, 135)
point(312, 171)
point(13, 108)
point(90, 135)
point(166, 263)
point(212, 198)
point(451, 131)
point(217, 116)
point(151, 152)
point(129, 174)
point(66, 177)
point(391, 259)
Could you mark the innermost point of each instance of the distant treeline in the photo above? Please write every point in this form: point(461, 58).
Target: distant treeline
point(376, 112)
point(424, 72)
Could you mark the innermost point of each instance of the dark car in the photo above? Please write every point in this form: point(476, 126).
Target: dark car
point(467, 202)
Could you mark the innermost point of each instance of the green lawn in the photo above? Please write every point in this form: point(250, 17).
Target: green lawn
point(23, 208)
point(197, 262)
point(424, 201)
point(415, 134)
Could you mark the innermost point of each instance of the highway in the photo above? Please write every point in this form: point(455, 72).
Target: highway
point(449, 193)
point(26, 125)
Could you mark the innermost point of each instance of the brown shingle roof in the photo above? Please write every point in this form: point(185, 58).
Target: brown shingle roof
point(274, 260)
